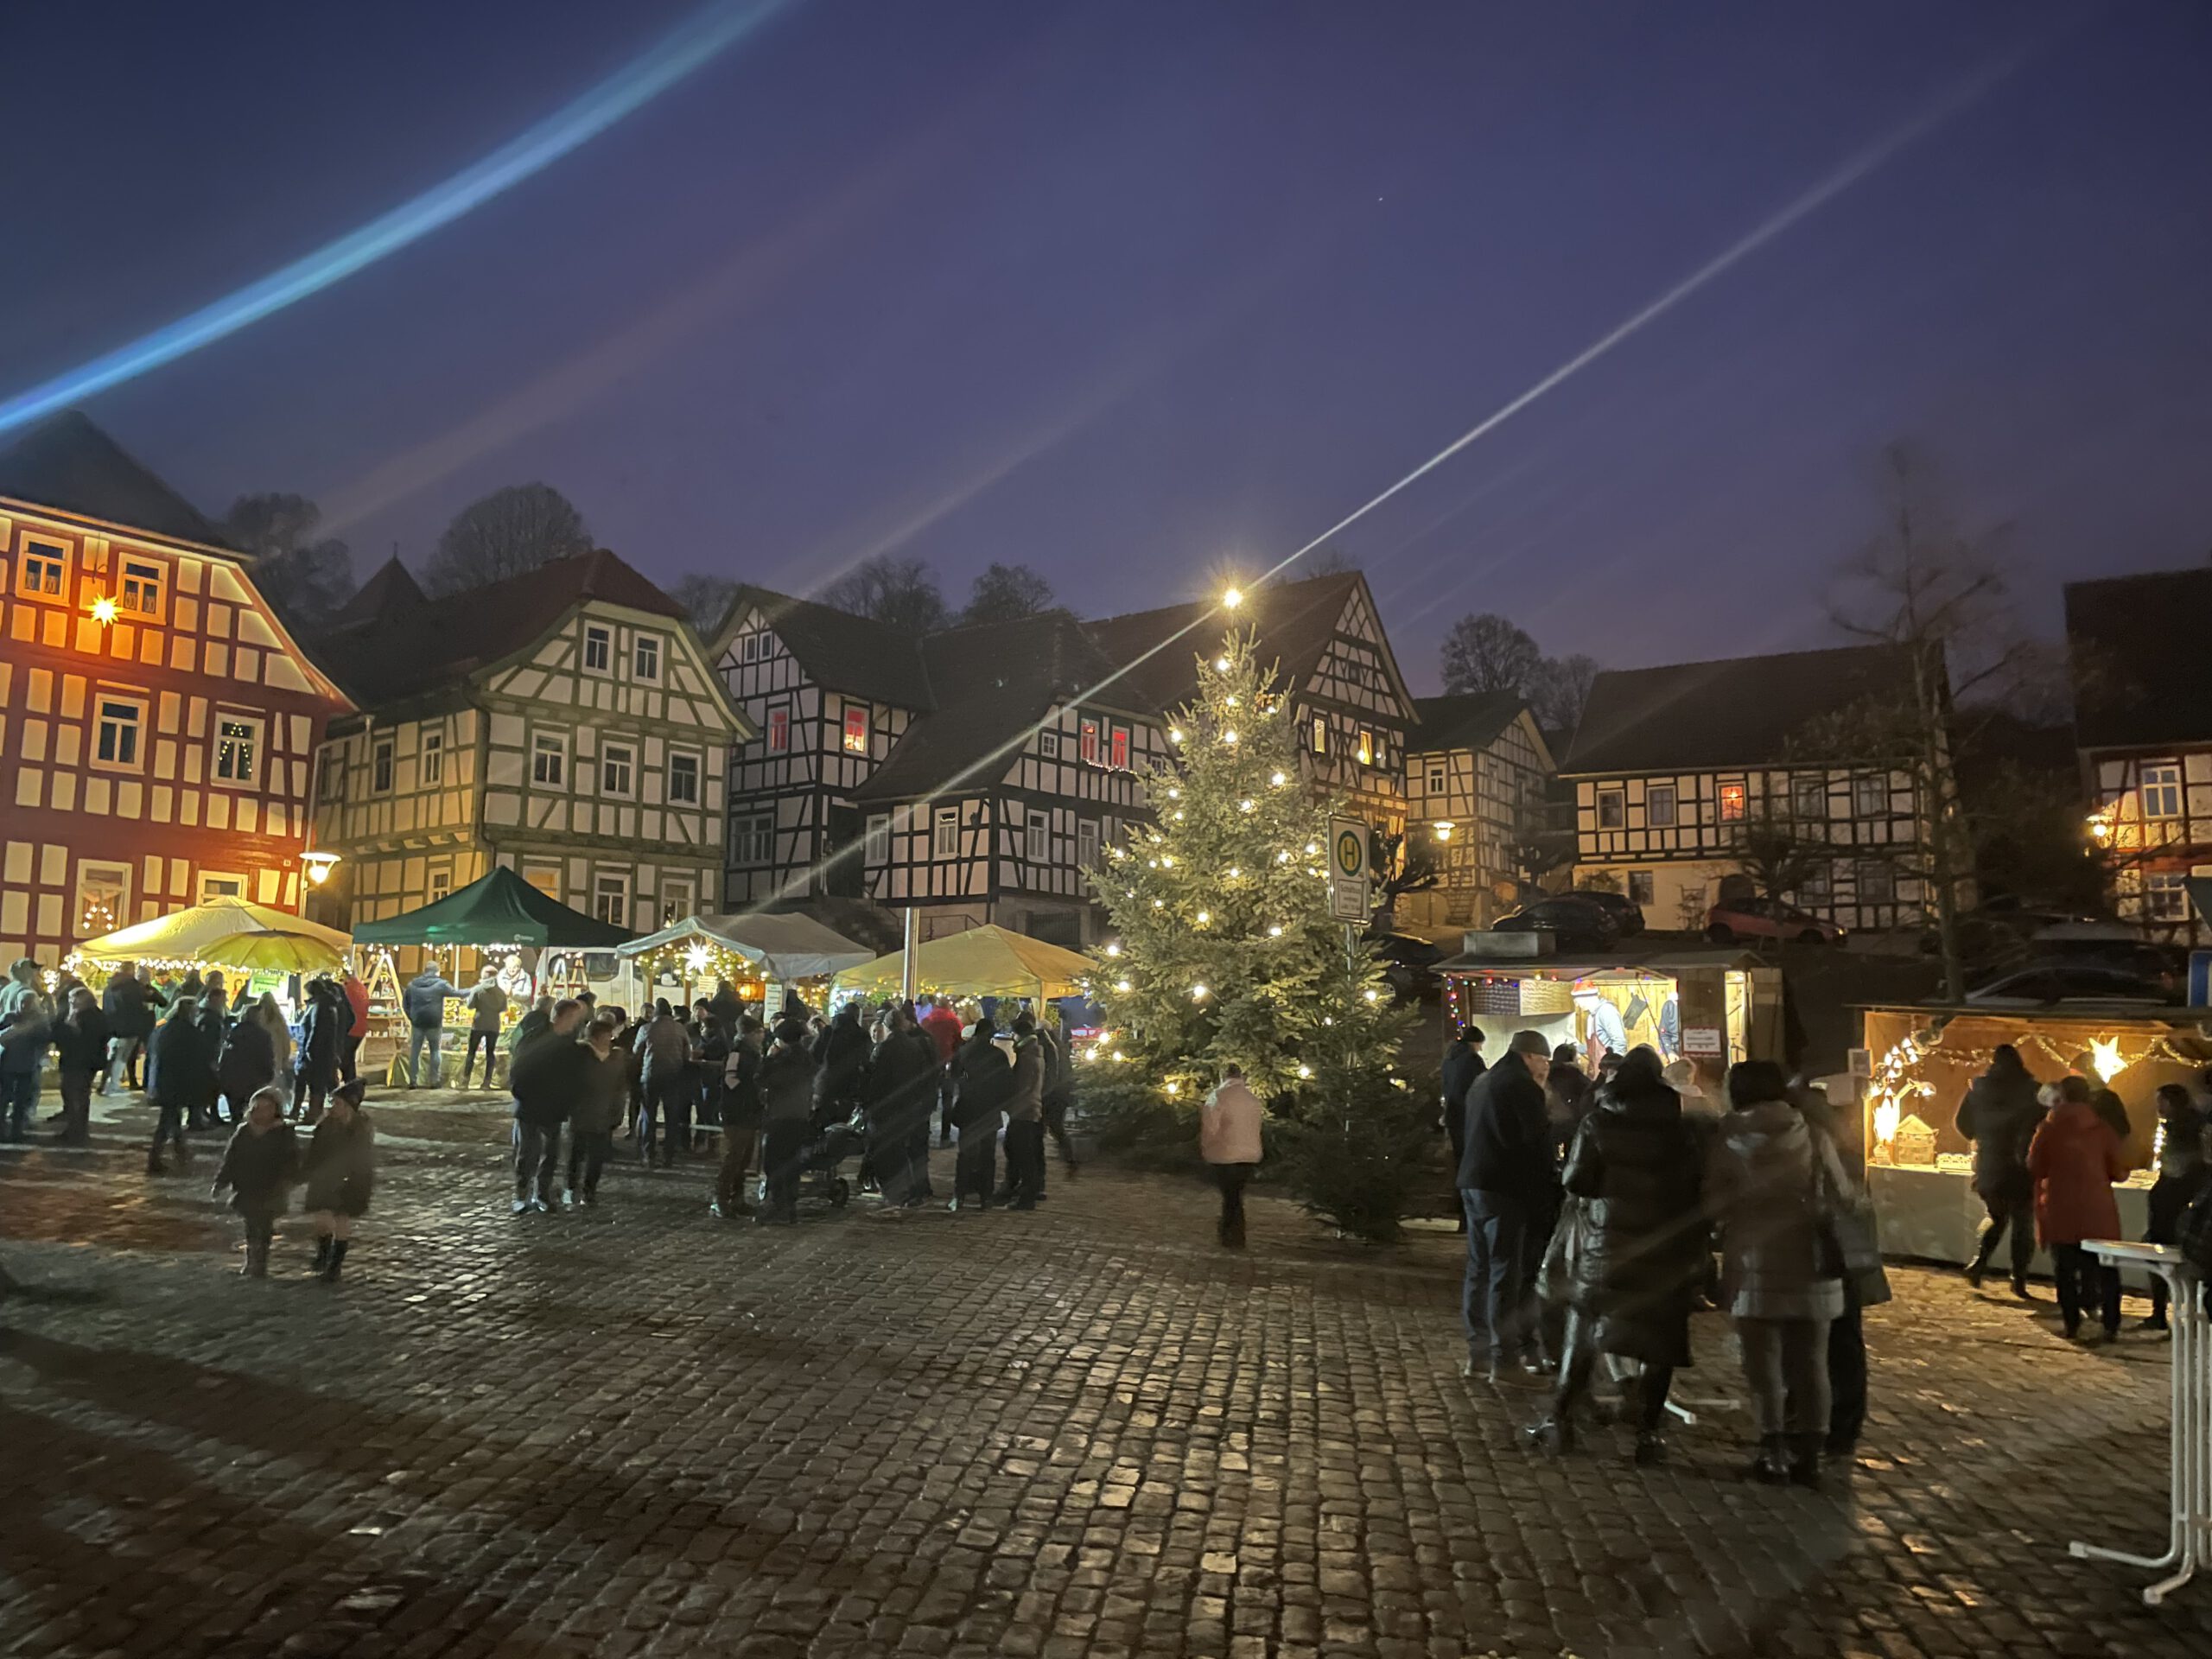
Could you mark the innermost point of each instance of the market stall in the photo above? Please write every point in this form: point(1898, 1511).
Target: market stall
point(535, 945)
point(268, 946)
point(760, 955)
point(1919, 1062)
point(983, 962)
point(1710, 1005)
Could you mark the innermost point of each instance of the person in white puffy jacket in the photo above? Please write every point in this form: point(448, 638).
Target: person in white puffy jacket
point(1229, 1140)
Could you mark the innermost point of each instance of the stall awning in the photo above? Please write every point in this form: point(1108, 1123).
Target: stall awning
point(501, 909)
point(1669, 963)
point(784, 948)
point(981, 961)
point(225, 933)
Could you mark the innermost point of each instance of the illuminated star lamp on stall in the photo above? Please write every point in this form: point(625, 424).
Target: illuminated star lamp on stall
point(1224, 948)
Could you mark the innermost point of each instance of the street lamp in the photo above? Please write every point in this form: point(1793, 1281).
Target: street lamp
point(1443, 827)
point(320, 865)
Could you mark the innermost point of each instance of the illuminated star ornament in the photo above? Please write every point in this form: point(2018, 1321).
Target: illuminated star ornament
point(2104, 1058)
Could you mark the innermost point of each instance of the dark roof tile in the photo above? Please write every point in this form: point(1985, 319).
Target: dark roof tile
point(2134, 644)
point(1468, 721)
point(1293, 620)
point(853, 655)
point(68, 463)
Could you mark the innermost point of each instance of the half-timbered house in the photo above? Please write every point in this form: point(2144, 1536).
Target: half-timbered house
point(564, 724)
point(157, 721)
point(1350, 704)
point(1475, 784)
point(2143, 720)
point(1673, 767)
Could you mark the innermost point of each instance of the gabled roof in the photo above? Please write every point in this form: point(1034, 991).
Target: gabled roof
point(1742, 711)
point(2135, 644)
point(1295, 620)
point(383, 656)
point(1471, 719)
point(855, 655)
point(387, 593)
point(989, 684)
point(69, 464)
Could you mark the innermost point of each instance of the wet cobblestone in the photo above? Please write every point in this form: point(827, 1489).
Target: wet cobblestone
point(1084, 1431)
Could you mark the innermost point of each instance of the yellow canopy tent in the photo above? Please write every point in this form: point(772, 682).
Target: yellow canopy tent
point(983, 962)
point(225, 933)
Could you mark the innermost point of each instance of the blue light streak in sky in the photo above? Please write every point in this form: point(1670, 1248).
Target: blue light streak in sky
point(704, 36)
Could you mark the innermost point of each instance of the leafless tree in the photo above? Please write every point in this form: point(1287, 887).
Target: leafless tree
point(305, 576)
point(1558, 689)
point(1486, 652)
point(506, 533)
point(901, 592)
point(1006, 592)
point(706, 600)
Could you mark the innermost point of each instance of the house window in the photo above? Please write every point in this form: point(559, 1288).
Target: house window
point(1731, 802)
point(380, 767)
point(644, 657)
point(2161, 791)
point(1639, 887)
point(1612, 808)
point(1086, 843)
point(780, 731)
point(432, 757)
point(1048, 745)
point(1436, 777)
point(117, 744)
point(748, 649)
point(599, 649)
point(1814, 887)
point(855, 728)
point(2165, 895)
point(548, 760)
point(1877, 883)
point(1090, 742)
point(440, 882)
point(879, 839)
point(1869, 796)
point(103, 899)
point(753, 836)
point(1037, 844)
point(1120, 748)
point(1808, 797)
point(684, 781)
point(1366, 747)
point(679, 899)
point(546, 878)
point(213, 885)
point(616, 763)
point(41, 570)
point(1659, 807)
point(238, 748)
point(946, 841)
point(610, 899)
point(142, 588)
point(333, 773)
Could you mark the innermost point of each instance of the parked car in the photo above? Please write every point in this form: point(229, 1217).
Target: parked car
point(1409, 964)
point(1577, 923)
point(1767, 918)
point(1625, 910)
point(2050, 983)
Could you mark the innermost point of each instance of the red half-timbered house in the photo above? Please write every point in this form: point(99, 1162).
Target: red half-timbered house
point(158, 723)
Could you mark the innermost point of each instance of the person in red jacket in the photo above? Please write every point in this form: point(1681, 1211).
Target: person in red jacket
point(2074, 1160)
point(349, 1041)
point(941, 1025)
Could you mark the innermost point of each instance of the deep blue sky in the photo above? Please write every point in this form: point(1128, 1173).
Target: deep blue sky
point(1125, 291)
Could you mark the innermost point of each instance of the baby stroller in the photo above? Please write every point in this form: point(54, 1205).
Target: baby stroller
point(832, 1137)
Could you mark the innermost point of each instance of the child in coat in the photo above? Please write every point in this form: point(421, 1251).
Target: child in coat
point(259, 1166)
point(341, 1173)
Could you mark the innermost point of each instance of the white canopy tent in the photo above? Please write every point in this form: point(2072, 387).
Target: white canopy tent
point(781, 949)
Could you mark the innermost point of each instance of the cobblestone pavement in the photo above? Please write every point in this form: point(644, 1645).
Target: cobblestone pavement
point(1079, 1431)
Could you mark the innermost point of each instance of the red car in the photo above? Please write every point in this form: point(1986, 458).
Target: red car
point(1767, 918)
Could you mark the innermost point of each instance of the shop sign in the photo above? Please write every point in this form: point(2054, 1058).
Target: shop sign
point(1704, 1042)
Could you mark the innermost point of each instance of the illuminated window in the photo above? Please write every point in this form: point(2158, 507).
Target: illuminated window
point(610, 900)
point(213, 885)
point(1612, 808)
point(644, 657)
point(546, 878)
point(142, 588)
point(548, 760)
point(1321, 736)
point(2165, 895)
point(103, 899)
point(1869, 796)
point(41, 570)
point(432, 758)
point(380, 767)
point(679, 899)
point(946, 841)
point(855, 728)
point(117, 742)
point(1366, 747)
point(617, 762)
point(1120, 750)
point(1808, 797)
point(1659, 807)
point(780, 731)
point(684, 781)
point(1089, 743)
point(1731, 802)
point(599, 649)
point(238, 748)
point(1037, 844)
point(2161, 791)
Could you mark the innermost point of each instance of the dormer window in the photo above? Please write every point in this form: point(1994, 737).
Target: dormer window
point(598, 648)
point(644, 657)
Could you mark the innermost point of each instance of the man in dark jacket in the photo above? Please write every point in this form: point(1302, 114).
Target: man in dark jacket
point(547, 1075)
point(664, 1075)
point(841, 1055)
point(1505, 1175)
point(423, 1002)
point(787, 1089)
point(1463, 1063)
point(130, 1004)
point(80, 1048)
point(1999, 1116)
point(986, 1088)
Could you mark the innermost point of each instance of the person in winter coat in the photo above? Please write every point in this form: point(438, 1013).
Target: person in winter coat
point(1462, 1063)
point(1230, 1142)
point(1999, 1116)
point(2074, 1160)
point(940, 1023)
point(487, 1008)
point(314, 1069)
point(341, 1169)
point(539, 1017)
point(244, 1066)
point(663, 1049)
point(1059, 1096)
point(601, 1098)
point(260, 1167)
point(1506, 1180)
point(270, 1018)
point(724, 1009)
point(129, 1004)
point(710, 1047)
point(547, 1078)
point(184, 1075)
point(80, 1048)
point(840, 1057)
point(2103, 1099)
point(357, 1007)
point(1770, 1182)
point(1847, 1375)
point(986, 1084)
point(25, 1031)
point(900, 1090)
point(2183, 1172)
point(1025, 1129)
point(787, 1089)
point(741, 1119)
point(423, 1002)
point(1639, 1260)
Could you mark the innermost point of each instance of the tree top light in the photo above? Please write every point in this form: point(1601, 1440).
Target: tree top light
point(1232, 599)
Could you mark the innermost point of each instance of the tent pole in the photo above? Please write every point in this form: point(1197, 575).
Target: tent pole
point(906, 957)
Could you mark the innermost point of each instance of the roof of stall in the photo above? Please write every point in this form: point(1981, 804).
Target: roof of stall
point(500, 909)
point(787, 947)
point(1672, 960)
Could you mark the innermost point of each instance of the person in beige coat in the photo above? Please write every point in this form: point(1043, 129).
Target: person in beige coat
point(1229, 1140)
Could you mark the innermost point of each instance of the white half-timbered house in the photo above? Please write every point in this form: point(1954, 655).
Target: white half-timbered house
point(2143, 720)
point(1475, 785)
point(157, 720)
point(1672, 767)
point(564, 723)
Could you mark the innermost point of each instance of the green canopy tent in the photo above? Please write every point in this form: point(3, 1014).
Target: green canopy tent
point(501, 909)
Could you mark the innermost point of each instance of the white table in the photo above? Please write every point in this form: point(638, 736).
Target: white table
point(2189, 1541)
point(1932, 1215)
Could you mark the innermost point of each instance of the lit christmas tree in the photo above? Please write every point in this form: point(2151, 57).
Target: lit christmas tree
point(1224, 949)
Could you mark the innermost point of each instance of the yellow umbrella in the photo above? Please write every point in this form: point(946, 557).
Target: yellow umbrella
point(981, 961)
point(225, 933)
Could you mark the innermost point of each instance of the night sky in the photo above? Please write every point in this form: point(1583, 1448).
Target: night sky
point(1130, 291)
